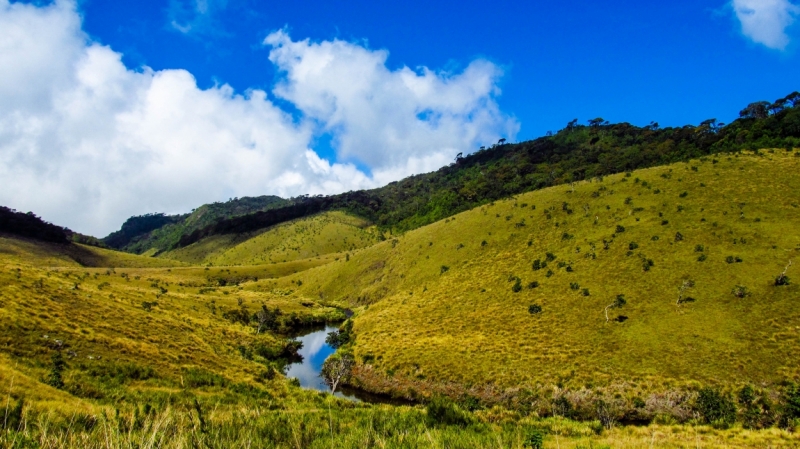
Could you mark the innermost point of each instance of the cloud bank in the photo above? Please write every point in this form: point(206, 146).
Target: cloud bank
point(86, 142)
point(765, 21)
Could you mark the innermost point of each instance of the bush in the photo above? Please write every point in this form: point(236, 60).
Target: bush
point(12, 419)
point(534, 440)
point(196, 377)
point(740, 291)
point(791, 403)
point(620, 229)
point(716, 408)
point(443, 269)
point(533, 309)
point(517, 287)
point(443, 411)
point(55, 379)
point(632, 246)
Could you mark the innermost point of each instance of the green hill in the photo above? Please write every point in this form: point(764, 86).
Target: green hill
point(574, 153)
point(154, 233)
point(306, 238)
point(448, 307)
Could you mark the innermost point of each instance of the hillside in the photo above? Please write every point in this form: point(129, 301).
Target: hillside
point(575, 153)
point(447, 307)
point(157, 232)
point(99, 347)
point(305, 238)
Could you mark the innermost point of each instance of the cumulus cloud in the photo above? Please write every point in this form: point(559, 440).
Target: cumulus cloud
point(766, 21)
point(86, 142)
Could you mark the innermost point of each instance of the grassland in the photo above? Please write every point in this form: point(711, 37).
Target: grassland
point(156, 354)
point(440, 310)
point(177, 374)
point(316, 236)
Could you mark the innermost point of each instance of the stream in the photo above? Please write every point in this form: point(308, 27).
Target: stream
point(314, 352)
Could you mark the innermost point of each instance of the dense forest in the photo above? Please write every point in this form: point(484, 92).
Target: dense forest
point(31, 226)
point(574, 153)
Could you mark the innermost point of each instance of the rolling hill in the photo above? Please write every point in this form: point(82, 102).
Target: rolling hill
point(693, 248)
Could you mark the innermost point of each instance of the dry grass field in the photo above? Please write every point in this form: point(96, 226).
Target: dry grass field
point(447, 306)
point(152, 353)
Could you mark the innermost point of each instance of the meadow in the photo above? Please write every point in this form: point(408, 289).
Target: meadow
point(634, 310)
point(509, 300)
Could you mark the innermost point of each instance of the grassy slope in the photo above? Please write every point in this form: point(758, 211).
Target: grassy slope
point(99, 314)
point(426, 328)
point(319, 235)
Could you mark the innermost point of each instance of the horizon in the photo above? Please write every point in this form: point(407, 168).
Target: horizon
point(111, 111)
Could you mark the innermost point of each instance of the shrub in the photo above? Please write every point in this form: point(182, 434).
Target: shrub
point(699, 248)
point(550, 257)
point(534, 440)
point(740, 291)
point(574, 286)
point(684, 194)
point(791, 404)
point(533, 285)
point(538, 265)
point(12, 420)
point(620, 229)
point(517, 287)
point(585, 292)
point(55, 379)
point(716, 408)
point(633, 245)
point(443, 269)
point(678, 237)
point(702, 258)
point(443, 411)
point(533, 309)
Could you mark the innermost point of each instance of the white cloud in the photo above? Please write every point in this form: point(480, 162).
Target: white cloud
point(766, 21)
point(397, 122)
point(86, 142)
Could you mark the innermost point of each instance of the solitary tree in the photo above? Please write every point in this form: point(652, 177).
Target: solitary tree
point(687, 283)
point(266, 318)
point(782, 279)
point(618, 303)
point(337, 368)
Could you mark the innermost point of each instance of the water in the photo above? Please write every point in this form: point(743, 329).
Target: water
point(314, 352)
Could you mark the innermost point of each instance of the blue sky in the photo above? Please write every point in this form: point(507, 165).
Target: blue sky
point(673, 62)
point(112, 109)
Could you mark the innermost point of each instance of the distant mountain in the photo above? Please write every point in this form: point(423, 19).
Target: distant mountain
point(31, 226)
point(574, 153)
point(158, 232)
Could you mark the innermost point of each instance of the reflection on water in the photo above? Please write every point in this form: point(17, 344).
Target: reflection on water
point(314, 353)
